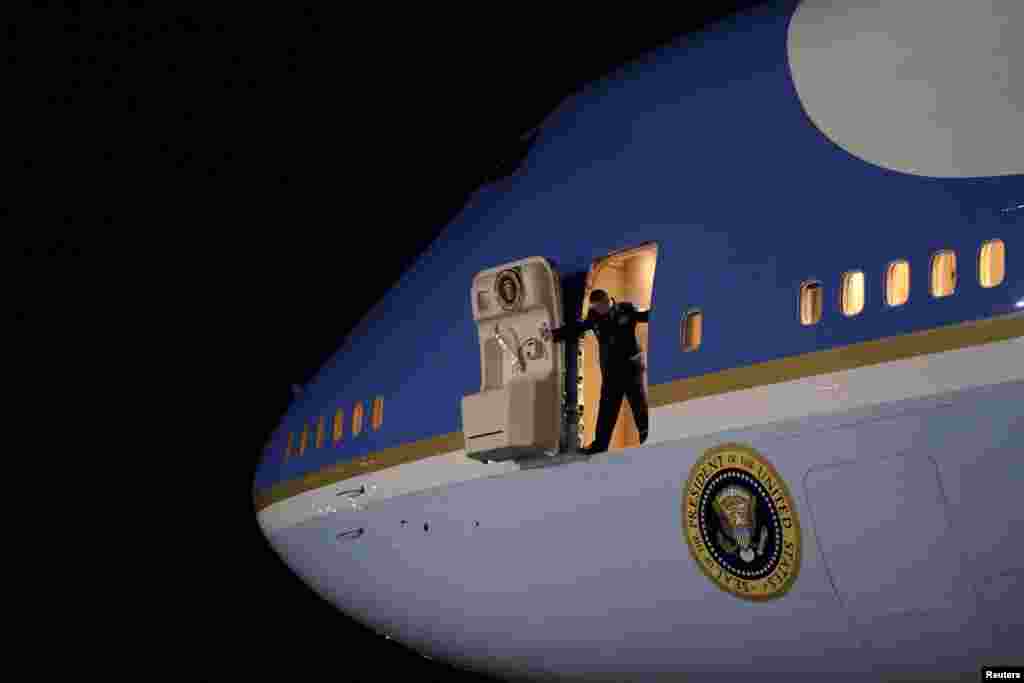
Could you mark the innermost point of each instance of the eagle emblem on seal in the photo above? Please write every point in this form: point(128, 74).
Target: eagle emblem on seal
point(740, 523)
point(737, 513)
point(509, 288)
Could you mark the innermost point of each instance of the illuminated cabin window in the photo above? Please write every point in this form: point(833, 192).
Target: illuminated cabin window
point(897, 283)
point(357, 419)
point(302, 440)
point(377, 419)
point(692, 330)
point(811, 296)
point(291, 445)
point(339, 426)
point(321, 431)
point(943, 273)
point(992, 263)
point(852, 293)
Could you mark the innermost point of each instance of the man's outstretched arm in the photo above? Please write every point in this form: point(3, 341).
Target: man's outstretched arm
point(569, 331)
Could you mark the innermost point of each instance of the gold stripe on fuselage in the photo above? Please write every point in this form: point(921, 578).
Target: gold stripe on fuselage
point(937, 340)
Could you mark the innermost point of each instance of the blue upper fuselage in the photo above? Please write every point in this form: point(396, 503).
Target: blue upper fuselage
point(705, 149)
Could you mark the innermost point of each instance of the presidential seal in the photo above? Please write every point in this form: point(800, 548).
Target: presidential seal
point(740, 523)
point(509, 288)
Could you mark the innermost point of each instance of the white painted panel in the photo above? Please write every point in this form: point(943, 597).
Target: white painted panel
point(422, 475)
point(925, 87)
point(583, 570)
point(839, 391)
point(875, 520)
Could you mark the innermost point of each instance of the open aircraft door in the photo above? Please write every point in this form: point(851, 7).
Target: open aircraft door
point(518, 411)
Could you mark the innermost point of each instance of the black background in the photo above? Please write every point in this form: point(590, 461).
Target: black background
point(221, 180)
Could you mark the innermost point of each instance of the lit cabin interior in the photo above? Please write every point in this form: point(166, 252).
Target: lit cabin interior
point(626, 276)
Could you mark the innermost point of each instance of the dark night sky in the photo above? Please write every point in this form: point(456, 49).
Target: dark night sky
point(248, 166)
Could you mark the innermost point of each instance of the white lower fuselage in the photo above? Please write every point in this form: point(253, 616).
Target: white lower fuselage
point(906, 476)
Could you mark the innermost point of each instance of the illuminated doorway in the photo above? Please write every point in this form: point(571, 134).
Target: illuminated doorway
point(627, 276)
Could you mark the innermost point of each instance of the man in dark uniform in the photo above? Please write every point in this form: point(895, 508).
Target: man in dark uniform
point(622, 368)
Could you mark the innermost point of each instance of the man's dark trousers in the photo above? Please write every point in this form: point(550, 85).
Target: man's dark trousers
point(618, 380)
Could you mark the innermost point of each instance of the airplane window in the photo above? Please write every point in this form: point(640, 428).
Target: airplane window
point(692, 330)
point(378, 413)
point(302, 440)
point(992, 263)
point(943, 273)
point(291, 445)
point(357, 419)
point(320, 432)
point(853, 293)
point(811, 294)
point(897, 283)
point(339, 426)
